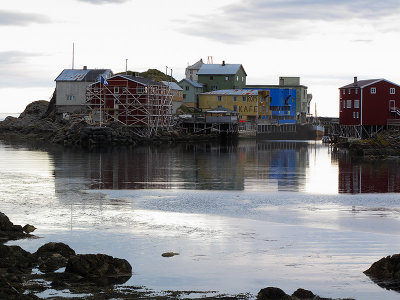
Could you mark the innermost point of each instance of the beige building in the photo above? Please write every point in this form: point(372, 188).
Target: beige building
point(250, 104)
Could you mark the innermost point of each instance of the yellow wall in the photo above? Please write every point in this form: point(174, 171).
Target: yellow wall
point(246, 108)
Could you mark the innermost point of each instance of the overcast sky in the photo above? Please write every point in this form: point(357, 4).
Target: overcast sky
point(325, 42)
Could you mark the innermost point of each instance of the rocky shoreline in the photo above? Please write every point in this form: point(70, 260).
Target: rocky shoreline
point(40, 122)
point(57, 268)
point(383, 145)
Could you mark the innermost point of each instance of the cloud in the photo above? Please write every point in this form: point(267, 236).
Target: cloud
point(283, 19)
point(14, 65)
point(21, 19)
point(103, 1)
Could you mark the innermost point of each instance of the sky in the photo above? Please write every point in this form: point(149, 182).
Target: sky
point(324, 42)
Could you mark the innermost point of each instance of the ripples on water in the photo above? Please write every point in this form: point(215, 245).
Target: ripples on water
point(242, 216)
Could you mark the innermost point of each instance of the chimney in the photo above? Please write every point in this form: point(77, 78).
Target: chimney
point(85, 67)
point(223, 63)
point(355, 81)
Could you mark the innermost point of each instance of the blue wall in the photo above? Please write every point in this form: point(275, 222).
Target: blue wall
point(282, 105)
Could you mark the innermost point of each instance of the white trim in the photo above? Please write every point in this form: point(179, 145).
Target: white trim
point(361, 106)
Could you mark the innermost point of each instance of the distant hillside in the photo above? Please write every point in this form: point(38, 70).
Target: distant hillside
point(152, 74)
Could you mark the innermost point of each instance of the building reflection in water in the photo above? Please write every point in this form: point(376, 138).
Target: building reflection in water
point(247, 165)
point(369, 176)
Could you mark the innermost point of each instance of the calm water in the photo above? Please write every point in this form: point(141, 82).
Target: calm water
point(242, 216)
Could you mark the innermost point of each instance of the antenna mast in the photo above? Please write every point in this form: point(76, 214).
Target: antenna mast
point(73, 55)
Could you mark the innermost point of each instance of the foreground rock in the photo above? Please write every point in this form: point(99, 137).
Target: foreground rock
point(274, 293)
point(9, 231)
point(53, 256)
point(386, 272)
point(98, 265)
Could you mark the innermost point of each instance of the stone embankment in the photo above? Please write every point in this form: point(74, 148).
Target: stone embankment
point(382, 145)
point(40, 122)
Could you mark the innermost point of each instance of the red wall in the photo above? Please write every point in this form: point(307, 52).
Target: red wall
point(375, 107)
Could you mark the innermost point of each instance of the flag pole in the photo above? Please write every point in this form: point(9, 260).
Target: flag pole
point(101, 87)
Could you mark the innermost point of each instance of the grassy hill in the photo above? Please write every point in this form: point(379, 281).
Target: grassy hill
point(152, 74)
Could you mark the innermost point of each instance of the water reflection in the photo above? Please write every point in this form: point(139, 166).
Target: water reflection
point(380, 176)
point(239, 166)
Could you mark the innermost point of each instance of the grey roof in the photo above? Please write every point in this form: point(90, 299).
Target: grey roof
point(172, 85)
point(238, 92)
point(219, 69)
point(142, 80)
point(196, 65)
point(88, 75)
point(193, 83)
point(361, 83)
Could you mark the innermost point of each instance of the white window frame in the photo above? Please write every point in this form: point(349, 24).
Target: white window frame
point(373, 90)
point(356, 91)
point(392, 91)
point(116, 89)
point(70, 97)
point(226, 78)
point(349, 91)
point(354, 114)
point(219, 98)
point(392, 105)
point(235, 98)
point(244, 98)
point(140, 89)
point(358, 115)
point(348, 104)
point(344, 103)
point(356, 103)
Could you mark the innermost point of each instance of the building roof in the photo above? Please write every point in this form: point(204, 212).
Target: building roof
point(88, 75)
point(172, 85)
point(220, 69)
point(192, 82)
point(364, 83)
point(142, 80)
point(196, 65)
point(238, 92)
point(273, 86)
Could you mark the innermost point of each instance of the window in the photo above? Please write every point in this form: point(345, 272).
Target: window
point(214, 87)
point(184, 96)
point(354, 114)
point(211, 77)
point(373, 90)
point(344, 92)
point(348, 103)
point(356, 103)
point(344, 103)
point(349, 91)
point(242, 79)
point(356, 91)
point(187, 88)
point(357, 115)
point(235, 98)
point(392, 91)
point(226, 78)
point(140, 89)
point(71, 97)
point(235, 108)
point(237, 78)
point(116, 89)
point(219, 98)
point(244, 98)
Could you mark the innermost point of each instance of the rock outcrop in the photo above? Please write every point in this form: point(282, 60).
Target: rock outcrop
point(53, 256)
point(9, 231)
point(386, 272)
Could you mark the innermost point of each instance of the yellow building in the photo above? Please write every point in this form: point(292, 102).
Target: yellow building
point(250, 104)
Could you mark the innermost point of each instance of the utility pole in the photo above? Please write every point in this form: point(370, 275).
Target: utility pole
point(126, 66)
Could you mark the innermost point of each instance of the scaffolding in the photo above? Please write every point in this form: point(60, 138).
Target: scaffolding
point(146, 109)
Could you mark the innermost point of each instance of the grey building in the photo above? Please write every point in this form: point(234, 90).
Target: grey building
point(191, 91)
point(71, 87)
point(191, 71)
point(303, 99)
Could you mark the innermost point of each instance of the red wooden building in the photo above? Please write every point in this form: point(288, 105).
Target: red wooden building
point(133, 101)
point(366, 106)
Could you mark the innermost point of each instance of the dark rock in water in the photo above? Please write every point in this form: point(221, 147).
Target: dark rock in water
point(53, 256)
point(9, 231)
point(28, 228)
point(169, 254)
point(272, 293)
point(16, 260)
point(52, 247)
point(98, 265)
point(303, 294)
point(386, 272)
